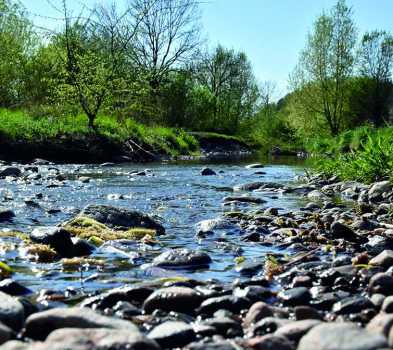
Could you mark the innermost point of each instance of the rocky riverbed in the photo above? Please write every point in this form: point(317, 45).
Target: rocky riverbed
point(225, 257)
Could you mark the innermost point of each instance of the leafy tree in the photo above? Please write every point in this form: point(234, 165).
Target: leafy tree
point(325, 66)
point(17, 42)
point(95, 49)
point(376, 63)
point(229, 78)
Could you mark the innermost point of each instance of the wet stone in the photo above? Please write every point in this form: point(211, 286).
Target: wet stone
point(214, 345)
point(6, 333)
point(10, 171)
point(257, 312)
point(339, 230)
point(381, 324)
point(352, 305)
point(381, 283)
point(226, 302)
point(267, 325)
point(250, 268)
point(179, 299)
point(136, 294)
point(384, 259)
point(6, 214)
point(253, 293)
point(11, 312)
point(306, 313)
point(121, 218)
point(208, 172)
point(254, 166)
point(295, 330)
point(182, 258)
point(56, 237)
point(346, 336)
point(94, 339)
point(224, 326)
point(295, 296)
point(387, 305)
point(41, 324)
point(270, 342)
point(14, 288)
point(172, 334)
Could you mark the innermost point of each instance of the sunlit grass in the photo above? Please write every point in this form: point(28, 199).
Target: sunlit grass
point(20, 126)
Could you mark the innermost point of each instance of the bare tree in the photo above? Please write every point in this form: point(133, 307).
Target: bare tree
point(267, 91)
point(167, 36)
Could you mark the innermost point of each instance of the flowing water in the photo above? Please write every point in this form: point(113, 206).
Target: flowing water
point(174, 193)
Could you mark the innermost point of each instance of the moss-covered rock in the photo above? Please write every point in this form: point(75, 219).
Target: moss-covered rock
point(76, 263)
point(39, 253)
point(88, 228)
point(16, 234)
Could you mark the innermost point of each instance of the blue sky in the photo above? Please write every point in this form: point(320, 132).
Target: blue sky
point(270, 32)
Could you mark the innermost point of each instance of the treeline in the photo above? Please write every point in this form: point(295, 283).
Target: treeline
point(146, 62)
point(342, 80)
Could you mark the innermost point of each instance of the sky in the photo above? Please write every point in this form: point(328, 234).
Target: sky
point(270, 32)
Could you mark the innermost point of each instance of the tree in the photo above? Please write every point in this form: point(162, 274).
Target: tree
point(376, 63)
point(229, 78)
point(168, 35)
point(94, 50)
point(17, 43)
point(325, 66)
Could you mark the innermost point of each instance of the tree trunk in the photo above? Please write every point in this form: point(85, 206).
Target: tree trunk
point(91, 117)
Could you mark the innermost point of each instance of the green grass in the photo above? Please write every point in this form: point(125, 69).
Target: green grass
point(364, 154)
point(20, 126)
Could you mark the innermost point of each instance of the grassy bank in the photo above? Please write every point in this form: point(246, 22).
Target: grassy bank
point(19, 126)
point(364, 154)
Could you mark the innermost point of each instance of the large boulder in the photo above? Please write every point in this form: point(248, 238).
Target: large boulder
point(41, 324)
point(335, 336)
point(116, 217)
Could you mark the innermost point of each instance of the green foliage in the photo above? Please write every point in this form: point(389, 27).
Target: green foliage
point(17, 125)
point(16, 43)
point(365, 154)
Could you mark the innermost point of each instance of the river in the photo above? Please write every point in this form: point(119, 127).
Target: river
point(174, 193)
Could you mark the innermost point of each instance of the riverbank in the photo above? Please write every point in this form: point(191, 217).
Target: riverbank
point(317, 265)
point(69, 140)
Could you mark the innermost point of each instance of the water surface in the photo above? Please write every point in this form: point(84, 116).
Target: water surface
point(174, 193)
